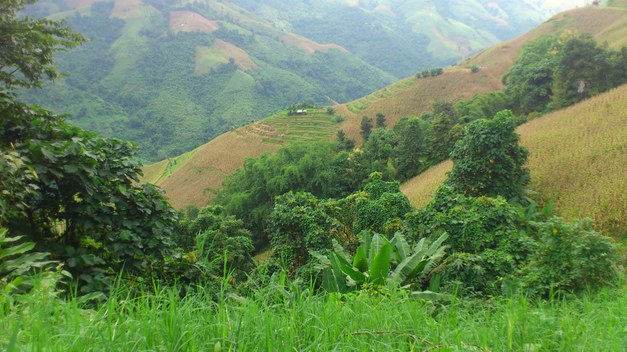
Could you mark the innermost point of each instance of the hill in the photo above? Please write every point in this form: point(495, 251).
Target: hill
point(191, 181)
point(171, 75)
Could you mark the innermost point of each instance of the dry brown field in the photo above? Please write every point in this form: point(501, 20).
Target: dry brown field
point(308, 45)
point(187, 21)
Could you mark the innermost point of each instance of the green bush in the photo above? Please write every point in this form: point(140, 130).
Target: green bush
point(485, 241)
point(570, 257)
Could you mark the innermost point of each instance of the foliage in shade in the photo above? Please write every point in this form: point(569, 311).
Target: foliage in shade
point(300, 223)
point(83, 204)
point(217, 239)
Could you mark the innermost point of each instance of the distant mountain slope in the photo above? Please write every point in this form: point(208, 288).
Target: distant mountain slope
point(191, 181)
point(577, 158)
point(173, 74)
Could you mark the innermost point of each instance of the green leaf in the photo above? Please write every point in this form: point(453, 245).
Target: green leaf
point(17, 249)
point(339, 262)
point(360, 261)
point(401, 248)
point(376, 244)
point(380, 265)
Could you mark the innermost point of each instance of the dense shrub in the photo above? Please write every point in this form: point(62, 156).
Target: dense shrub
point(485, 242)
point(569, 257)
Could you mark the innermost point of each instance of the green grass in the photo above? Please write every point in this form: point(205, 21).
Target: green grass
point(278, 319)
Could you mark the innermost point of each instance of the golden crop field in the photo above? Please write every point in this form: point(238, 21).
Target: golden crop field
point(577, 158)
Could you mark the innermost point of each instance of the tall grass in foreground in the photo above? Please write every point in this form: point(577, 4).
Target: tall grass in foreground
point(274, 319)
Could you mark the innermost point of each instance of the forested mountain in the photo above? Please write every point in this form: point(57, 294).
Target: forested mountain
point(171, 75)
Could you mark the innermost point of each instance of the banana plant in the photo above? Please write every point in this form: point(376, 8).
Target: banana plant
point(380, 261)
point(17, 259)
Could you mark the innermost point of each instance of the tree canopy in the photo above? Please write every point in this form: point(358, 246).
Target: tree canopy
point(488, 160)
point(27, 46)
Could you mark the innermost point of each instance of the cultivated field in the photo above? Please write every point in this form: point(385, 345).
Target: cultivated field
point(578, 159)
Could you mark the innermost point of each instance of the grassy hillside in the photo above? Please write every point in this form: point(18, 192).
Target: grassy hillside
point(578, 159)
point(411, 96)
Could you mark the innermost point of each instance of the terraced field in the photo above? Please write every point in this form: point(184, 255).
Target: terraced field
point(315, 125)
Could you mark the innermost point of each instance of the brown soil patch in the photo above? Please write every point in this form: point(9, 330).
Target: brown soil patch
point(309, 46)
point(241, 57)
point(193, 183)
point(187, 21)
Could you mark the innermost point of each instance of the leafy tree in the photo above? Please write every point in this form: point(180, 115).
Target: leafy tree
point(483, 105)
point(485, 240)
point(343, 142)
point(69, 191)
point(84, 205)
point(570, 257)
point(584, 69)
point(28, 46)
point(300, 223)
point(366, 127)
point(375, 155)
point(380, 120)
point(488, 160)
point(221, 240)
point(249, 192)
point(412, 151)
point(530, 79)
point(475, 68)
point(380, 206)
point(445, 131)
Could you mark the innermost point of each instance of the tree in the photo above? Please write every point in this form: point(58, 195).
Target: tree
point(220, 239)
point(72, 192)
point(376, 154)
point(584, 69)
point(249, 192)
point(300, 223)
point(380, 120)
point(445, 130)
point(412, 150)
point(529, 81)
point(488, 160)
point(83, 204)
point(366, 127)
point(343, 142)
point(28, 46)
